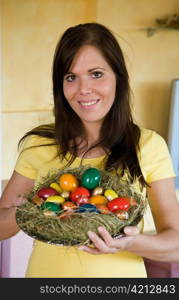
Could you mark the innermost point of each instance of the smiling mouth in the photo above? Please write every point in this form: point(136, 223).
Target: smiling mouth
point(90, 103)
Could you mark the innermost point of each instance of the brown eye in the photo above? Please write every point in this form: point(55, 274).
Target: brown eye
point(70, 78)
point(97, 74)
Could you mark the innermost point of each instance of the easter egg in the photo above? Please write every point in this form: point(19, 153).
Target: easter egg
point(56, 187)
point(46, 192)
point(99, 199)
point(97, 191)
point(65, 194)
point(68, 182)
point(55, 199)
point(49, 213)
point(103, 209)
point(38, 201)
point(50, 206)
point(133, 202)
point(79, 192)
point(68, 205)
point(122, 215)
point(87, 208)
point(82, 200)
point(66, 215)
point(110, 194)
point(91, 178)
point(120, 203)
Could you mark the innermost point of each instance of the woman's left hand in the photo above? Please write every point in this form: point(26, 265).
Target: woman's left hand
point(106, 244)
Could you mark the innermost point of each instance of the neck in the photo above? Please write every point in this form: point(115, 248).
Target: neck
point(92, 132)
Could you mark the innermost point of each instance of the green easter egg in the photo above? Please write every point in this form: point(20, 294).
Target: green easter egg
point(91, 178)
point(50, 206)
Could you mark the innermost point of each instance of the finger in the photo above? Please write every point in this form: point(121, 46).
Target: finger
point(89, 250)
point(113, 243)
point(131, 230)
point(110, 242)
point(100, 244)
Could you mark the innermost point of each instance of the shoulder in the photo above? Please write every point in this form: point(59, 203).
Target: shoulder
point(33, 140)
point(35, 153)
point(37, 147)
point(154, 156)
point(150, 139)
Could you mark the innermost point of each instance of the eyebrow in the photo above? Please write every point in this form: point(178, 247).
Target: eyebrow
point(90, 70)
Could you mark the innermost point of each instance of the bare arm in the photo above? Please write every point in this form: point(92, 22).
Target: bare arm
point(164, 246)
point(11, 197)
point(165, 209)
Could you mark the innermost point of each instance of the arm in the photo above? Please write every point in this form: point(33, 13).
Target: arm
point(164, 246)
point(10, 198)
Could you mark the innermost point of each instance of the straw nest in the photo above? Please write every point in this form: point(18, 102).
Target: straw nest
point(73, 230)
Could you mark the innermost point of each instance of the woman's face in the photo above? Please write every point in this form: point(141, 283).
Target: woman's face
point(90, 85)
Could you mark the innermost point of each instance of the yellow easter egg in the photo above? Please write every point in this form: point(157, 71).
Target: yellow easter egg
point(110, 194)
point(55, 199)
point(56, 187)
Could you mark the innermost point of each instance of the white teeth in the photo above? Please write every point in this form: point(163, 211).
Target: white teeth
point(88, 103)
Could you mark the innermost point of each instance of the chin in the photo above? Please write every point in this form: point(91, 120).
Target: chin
point(92, 120)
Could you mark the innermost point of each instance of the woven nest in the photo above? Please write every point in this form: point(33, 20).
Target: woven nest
point(73, 229)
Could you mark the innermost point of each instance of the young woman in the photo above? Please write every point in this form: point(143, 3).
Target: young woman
point(94, 125)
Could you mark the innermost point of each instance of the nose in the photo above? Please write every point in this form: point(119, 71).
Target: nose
point(85, 86)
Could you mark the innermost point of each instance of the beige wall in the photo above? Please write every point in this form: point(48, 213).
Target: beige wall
point(31, 29)
point(152, 62)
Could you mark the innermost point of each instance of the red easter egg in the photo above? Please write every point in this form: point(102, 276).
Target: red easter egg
point(82, 200)
point(46, 192)
point(120, 203)
point(80, 192)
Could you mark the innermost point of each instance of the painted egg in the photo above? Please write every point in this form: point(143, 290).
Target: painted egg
point(68, 182)
point(65, 194)
point(98, 200)
point(87, 208)
point(56, 199)
point(68, 205)
point(46, 192)
point(91, 178)
point(50, 206)
point(122, 215)
point(110, 194)
point(120, 203)
point(80, 192)
point(56, 187)
point(66, 215)
point(103, 209)
point(82, 200)
point(133, 202)
point(38, 201)
point(49, 213)
point(97, 191)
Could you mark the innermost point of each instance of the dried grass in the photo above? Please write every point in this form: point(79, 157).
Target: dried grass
point(73, 230)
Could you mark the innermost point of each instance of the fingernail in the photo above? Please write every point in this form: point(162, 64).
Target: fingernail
point(90, 234)
point(100, 229)
point(128, 230)
point(81, 248)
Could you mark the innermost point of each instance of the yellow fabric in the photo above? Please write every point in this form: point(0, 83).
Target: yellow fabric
point(57, 261)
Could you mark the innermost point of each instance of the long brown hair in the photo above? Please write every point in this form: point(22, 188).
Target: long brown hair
point(118, 132)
